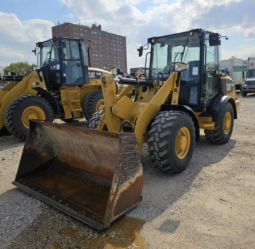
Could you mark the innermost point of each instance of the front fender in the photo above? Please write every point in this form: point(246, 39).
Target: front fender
point(186, 109)
point(219, 103)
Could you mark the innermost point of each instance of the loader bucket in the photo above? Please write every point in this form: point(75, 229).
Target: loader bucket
point(91, 175)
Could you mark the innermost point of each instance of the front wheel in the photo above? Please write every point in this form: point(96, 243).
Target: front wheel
point(171, 141)
point(22, 109)
point(223, 128)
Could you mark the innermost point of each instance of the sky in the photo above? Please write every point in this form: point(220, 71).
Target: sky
point(25, 22)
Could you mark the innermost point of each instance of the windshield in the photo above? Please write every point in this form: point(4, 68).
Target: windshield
point(250, 73)
point(48, 52)
point(169, 49)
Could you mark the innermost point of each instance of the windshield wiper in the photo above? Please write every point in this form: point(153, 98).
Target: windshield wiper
point(48, 55)
point(185, 45)
point(171, 67)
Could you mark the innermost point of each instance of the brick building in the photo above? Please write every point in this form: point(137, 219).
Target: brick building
point(107, 50)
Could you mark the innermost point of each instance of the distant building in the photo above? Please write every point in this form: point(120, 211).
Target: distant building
point(107, 50)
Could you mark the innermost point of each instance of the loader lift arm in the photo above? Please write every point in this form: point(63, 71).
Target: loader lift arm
point(143, 113)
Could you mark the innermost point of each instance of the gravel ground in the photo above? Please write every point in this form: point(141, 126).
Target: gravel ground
point(210, 205)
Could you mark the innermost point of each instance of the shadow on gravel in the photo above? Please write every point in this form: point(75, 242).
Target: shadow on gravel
point(4, 132)
point(50, 228)
point(163, 190)
point(7, 142)
point(26, 222)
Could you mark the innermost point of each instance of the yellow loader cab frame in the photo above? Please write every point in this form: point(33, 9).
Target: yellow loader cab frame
point(64, 87)
point(182, 94)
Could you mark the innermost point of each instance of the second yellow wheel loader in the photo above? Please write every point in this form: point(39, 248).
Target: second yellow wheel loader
point(64, 87)
point(184, 93)
point(96, 175)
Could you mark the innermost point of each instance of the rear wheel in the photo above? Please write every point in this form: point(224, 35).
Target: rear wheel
point(223, 128)
point(171, 141)
point(92, 103)
point(244, 94)
point(22, 109)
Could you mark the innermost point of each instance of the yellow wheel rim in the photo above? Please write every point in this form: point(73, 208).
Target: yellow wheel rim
point(100, 104)
point(32, 112)
point(182, 143)
point(227, 122)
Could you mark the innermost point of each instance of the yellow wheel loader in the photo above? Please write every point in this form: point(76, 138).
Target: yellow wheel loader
point(64, 87)
point(182, 94)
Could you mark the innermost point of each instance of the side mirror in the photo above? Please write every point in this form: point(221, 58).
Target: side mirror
point(34, 51)
point(140, 50)
point(214, 39)
point(180, 66)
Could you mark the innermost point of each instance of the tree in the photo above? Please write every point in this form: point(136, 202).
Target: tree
point(233, 58)
point(20, 68)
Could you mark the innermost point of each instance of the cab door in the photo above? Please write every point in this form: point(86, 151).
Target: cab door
point(72, 63)
point(211, 66)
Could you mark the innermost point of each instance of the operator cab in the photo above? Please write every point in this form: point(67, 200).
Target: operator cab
point(199, 49)
point(63, 61)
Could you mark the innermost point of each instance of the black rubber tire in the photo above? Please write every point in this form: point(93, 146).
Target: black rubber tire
point(14, 111)
point(217, 136)
point(244, 94)
point(161, 142)
point(94, 121)
point(90, 103)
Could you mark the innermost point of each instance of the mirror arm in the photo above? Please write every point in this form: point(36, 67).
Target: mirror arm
point(146, 61)
point(89, 62)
